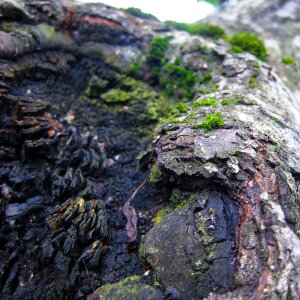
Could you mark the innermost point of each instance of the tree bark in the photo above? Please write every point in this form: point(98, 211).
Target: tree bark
point(80, 98)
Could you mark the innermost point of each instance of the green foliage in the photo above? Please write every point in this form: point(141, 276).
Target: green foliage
point(181, 107)
point(156, 174)
point(207, 77)
point(211, 121)
point(276, 120)
point(200, 28)
point(255, 64)
point(157, 50)
point(160, 215)
point(140, 100)
point(96, 87)
point(139, 13)
point(236, 49)
point(252, 82)
point(124, 289)
point(178, 199)
point(177, 81)
point(204, 102)
point(248, 41)
point(229, 102)
point(7, 27)
point(116, 96)
point(288, 60)
point(134, 68)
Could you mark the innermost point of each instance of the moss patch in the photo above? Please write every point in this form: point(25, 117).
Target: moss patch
point(134, 68)
point(156, 174)
point(200, 28)
point(211, 122)
point(204, 102)
point(255, 64)
point(135, 98)
point(139, 13)
point(288, 60)
point(157, 50)
point(116, 96)
point(96, 87)
point(179, 199)
point(7, 27)
point(229, 102)
point(160, 215)
point(178, 81)
point(249, 42)
point(252, 82)
point(125, 289)
point(181, 107)
point(236, 49)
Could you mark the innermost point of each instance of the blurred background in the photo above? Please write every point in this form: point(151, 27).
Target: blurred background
point(187, 11)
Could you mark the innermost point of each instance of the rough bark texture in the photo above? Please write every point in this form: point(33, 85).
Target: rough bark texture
point(82, 89)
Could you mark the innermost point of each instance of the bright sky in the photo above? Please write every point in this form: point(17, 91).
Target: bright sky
point(177, 10)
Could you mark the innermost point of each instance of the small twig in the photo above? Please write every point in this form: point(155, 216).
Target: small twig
point(130, 214)
point(137, 190)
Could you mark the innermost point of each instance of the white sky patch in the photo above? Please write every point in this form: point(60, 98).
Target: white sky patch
point(187, 11)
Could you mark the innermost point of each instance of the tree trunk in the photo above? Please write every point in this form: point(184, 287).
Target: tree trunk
point(84, 89)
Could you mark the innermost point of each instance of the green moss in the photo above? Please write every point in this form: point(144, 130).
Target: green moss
point(160, 215)
point(229, 102)
point(204, 90)
point(134, 68)
point(288, 60)
point(249, 42)
point(139, 13)
point(204, 102)
point(105, 290)
point(178, 199)
point(156, 174)
point(157, 50)
point(178, 60)
point(211, 122)
point(255, 64)
point(236, 49)
point(207, 77)
point(96, 87)
point(181, 107)
point(176, 115)
point(141, 250)
point(156, 283)
point(252, 82)
point(177, 81)
point(174, 121)
point(127, 83)
point(126, 288)
point(200, 28)
point(7, 27)
point(276, 120)
point(140, 102)
point(116, 96)
point(129, 279)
